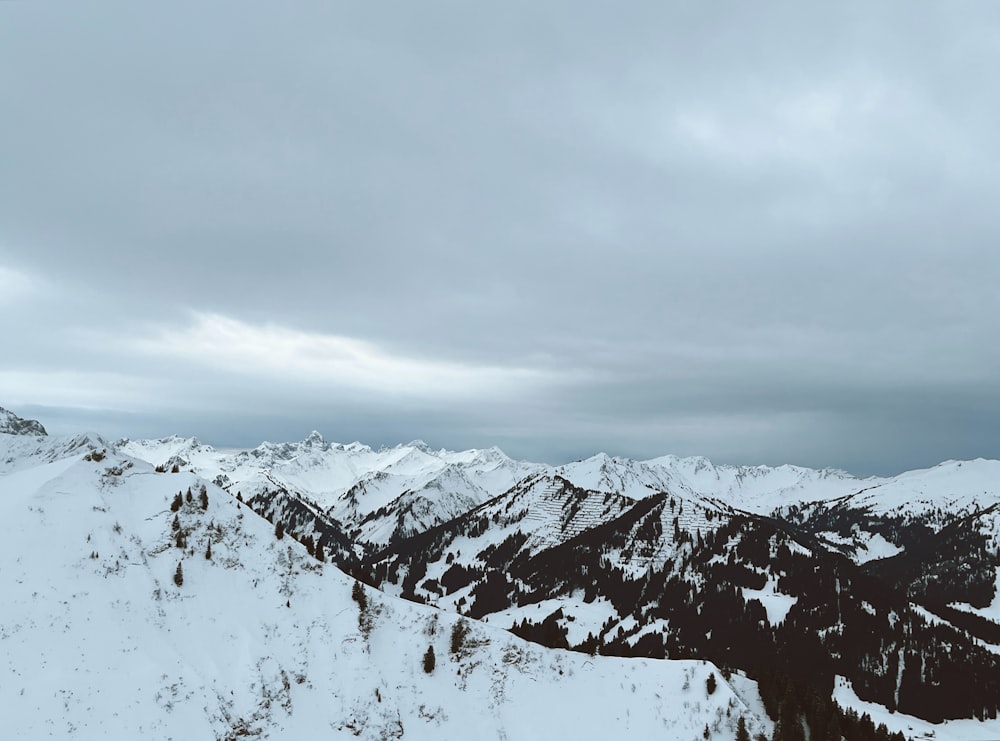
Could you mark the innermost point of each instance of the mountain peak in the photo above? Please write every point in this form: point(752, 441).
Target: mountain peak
point(314, 438)
point(11, 424)
point(420, 445)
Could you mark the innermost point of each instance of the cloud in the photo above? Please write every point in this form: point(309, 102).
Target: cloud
point(15, 286)
point(748, 234)
point(294, 356)
point(84, 390)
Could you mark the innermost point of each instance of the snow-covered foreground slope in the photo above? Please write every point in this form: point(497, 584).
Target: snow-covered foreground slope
point(97, 640)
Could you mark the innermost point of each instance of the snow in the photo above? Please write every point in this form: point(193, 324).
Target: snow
point(776, 603)
point(913, 727)
point(588, 617)
point(96, 639)
point(352, 482)
point(864, 546)
point(992, 611)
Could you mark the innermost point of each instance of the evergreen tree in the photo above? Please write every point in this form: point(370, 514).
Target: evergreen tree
point(742, 734)
point(429, 660)
point(208, 551)
point(319, 551)
point(203, 497)
point(710, 684)
point(359, 596)
point(179, 540)
point(179, 575)
point(189, 496)
point(279, 530)
point(176, 524)
point(176, 504)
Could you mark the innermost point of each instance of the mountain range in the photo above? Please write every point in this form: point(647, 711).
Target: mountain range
point(607, 597)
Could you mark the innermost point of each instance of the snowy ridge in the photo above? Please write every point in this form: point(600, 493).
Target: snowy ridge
point(11, 424)
point(381, 494)
point(258, 639)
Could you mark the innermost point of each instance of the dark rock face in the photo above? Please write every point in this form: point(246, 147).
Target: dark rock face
point(11, 424)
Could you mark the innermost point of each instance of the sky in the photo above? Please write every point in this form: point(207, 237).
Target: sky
point(762, 234)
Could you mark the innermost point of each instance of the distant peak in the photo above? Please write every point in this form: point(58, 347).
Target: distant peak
point(315, 438)
point(11, 424)
point(419, 445)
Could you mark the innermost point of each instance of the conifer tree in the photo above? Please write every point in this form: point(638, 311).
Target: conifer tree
point(742, 734)
point(208, 551)
point(203, 497)
point(179, 575)
point(176, 504)
point(279, 530)
point(429, 660)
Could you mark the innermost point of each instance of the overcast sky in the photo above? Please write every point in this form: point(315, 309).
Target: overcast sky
point(759, 233)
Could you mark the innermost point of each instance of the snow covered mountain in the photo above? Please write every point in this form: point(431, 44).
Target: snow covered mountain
point(880, 592)
point(11, 424)
point(377, 495)
point(145, 604)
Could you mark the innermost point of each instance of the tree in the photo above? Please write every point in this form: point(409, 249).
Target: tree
point(176, 504)
point(203, 497)
point(189, 496)
point(359, 596)
point(742, 734)
point(279, 530)
point(176, 524)
point(319, 551)
point(458, 633)
point(179, 575)
point(429, 660)
point(208, 551)
point(710, 684)
point(179, 541)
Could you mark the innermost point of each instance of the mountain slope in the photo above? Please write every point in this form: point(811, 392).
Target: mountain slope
point(259, 639)
point(11, 424)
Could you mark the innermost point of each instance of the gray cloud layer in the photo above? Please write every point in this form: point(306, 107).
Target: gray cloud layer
point(757, 234)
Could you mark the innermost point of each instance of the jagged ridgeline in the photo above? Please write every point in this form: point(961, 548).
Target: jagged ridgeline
point(801, 578)
point(745, 591)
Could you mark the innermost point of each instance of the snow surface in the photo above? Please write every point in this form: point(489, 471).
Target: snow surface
point(776, 603)
point(911, 726)
point(863, 545)
point(96, 640)
point(990, 612)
